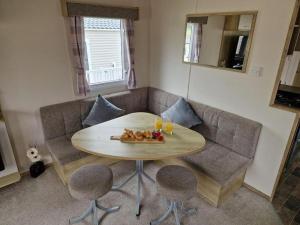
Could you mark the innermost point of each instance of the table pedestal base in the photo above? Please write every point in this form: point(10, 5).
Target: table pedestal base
point(139, 172)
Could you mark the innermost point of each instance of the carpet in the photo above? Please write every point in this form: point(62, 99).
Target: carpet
point(46, 201)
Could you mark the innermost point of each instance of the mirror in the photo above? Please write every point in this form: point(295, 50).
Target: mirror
point(219, 40)
point(290, 75)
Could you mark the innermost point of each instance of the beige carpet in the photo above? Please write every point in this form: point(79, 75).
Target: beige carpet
point(46, 201)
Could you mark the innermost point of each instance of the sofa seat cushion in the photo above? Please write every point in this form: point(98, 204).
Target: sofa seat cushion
point(62, 150)
point(218, 162)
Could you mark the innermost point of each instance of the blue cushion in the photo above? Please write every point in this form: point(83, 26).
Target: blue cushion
point(182, 114)
point(102, 111)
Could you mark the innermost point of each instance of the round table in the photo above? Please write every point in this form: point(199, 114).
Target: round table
point(96, 140)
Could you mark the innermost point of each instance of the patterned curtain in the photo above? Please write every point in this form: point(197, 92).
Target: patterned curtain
point(196, 42)
point(128, 52)
point(79, 54)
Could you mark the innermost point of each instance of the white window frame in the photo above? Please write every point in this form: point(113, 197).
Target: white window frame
point(110, 86)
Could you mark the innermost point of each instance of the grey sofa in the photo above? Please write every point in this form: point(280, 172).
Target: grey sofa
point(231, 143)
point(61, 121)
point(220, 167)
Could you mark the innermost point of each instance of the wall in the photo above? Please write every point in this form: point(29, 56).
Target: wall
point(243, 94)
point(35, 64)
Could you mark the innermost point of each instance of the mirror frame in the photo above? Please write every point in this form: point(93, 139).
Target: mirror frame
point(248, 49)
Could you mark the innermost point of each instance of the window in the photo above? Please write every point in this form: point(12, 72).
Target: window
point(188, 42)
point(104, 50)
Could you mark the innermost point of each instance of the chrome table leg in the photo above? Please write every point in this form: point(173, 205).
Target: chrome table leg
point(139, 172)
point(119, 186)
point(148, 177)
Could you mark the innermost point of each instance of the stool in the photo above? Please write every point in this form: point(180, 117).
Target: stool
point(177, 184)
point(91, 182)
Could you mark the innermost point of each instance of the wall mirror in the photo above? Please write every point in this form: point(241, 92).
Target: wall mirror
point(220, 40)
point(287, 87)
point(290, 75)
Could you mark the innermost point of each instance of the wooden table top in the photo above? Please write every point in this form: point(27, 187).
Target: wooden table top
point(96, 140)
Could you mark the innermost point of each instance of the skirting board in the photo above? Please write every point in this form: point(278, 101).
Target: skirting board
point(257, 192)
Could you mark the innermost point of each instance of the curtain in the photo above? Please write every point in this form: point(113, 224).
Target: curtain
point(128, 52)
point(79, 54)
point(196, 40)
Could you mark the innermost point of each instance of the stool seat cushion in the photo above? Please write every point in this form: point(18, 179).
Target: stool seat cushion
point(176, 183)
point(91, 182)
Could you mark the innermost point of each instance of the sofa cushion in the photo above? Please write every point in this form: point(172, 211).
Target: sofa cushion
point(52, 121)
point(218, 162)
point(72, 118)
point(102, 111)
point(232, 131)
point(62, 150)
point(182, 114)
point(57, 122)
point(131, 101)
point(159, 101)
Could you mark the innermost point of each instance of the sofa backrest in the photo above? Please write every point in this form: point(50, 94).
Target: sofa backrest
point(232, 131)
point(66, 118)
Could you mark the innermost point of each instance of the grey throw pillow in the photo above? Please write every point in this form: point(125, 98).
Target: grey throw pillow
point(182, 114)
point(102, 111)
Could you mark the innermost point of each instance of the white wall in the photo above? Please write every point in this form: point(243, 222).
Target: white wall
point(35, 64)
point(243, 94)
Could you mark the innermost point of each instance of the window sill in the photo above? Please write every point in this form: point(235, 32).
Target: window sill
point(108, 88)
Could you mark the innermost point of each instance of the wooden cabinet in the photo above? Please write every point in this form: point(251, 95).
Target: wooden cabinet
point(232, 22)
point(10, 174)
point(289, 69)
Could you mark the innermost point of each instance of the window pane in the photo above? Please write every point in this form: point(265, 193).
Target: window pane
point(103, 40)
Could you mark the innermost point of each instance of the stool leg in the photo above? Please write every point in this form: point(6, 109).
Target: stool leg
point(84, 215)
point(175, 211)
point(138, 194)
point(164, 216)
point(108, 210)
point(187, 211)
point(95, 220)
point(92, 210)
point(190, 211)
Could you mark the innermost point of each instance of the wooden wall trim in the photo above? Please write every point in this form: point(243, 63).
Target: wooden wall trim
point(284, 52)
point(257, 191)
point(64, 10)
point(286, 153)
point(95, 10)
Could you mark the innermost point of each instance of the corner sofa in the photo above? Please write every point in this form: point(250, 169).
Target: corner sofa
point(220, 167)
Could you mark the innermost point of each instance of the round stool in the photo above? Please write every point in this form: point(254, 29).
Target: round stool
point(177, 184)
point(91, 182)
